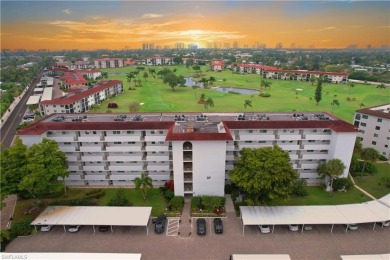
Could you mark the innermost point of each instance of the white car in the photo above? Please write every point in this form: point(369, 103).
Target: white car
point(46, 228)
point(293, 227)
point(264, 229)
point(73, 229)
point(352, 226)
point(383, 224)
point(308, 227)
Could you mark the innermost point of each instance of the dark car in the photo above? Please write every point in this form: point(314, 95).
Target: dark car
point(159, 226)
point(218, 226)
point(103, 228)
point(201, 226)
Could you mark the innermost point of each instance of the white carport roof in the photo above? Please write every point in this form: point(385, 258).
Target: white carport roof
point(385, 200)
point(366, 257)
point(33, 100)
point(338, 214)
point(99, 256)
point(111, 216)
point(259, 257)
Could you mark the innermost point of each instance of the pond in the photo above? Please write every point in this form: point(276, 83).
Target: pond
point(238, 90)
point(190, 82)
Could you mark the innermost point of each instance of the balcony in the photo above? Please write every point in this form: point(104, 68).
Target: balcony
point(123, 138)
point(94, 138)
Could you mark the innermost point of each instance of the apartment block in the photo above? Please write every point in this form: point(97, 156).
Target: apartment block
point(374, 128)
point(80, 100)
point(108, 63)
point(157, 61)
point(196, 151)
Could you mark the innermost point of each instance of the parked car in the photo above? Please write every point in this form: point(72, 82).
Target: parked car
point(218, 226)
point(73, 229)
point(201, 226)
point(46, 228)
point(351, 226)
point(293, 227)
point(383, 223)
point(264, 229)
point(103, 228)
point(308, 227)
point(159, 226)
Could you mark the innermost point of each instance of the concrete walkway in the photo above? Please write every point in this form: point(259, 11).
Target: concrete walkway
point(8, 211)
point(357, 187)
point(185, 225)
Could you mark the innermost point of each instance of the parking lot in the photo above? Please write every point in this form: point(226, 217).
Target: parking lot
point(319, 243)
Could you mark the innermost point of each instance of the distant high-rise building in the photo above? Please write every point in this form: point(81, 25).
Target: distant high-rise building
point(235, 45)
point(246, 46)
point(192, 46)
point(179, 45)
point(369, 46)
point(226, 45)
point(352, 46)
point(279, 45)
point(148, 46)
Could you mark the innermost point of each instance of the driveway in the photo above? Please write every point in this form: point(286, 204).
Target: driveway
point(316, 244)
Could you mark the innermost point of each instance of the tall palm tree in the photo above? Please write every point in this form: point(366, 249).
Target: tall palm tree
point(350, 86)
point(267, 84)
point(143, 183)
point(209, 103)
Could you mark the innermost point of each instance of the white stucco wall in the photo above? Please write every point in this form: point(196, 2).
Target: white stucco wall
point(177, 154)
point(29, 140)
point(341, 147)
point(209, 167)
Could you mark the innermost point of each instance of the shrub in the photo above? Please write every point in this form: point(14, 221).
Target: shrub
point(168, 194)
point(382, 158)
point(112, 105)
point(355, 165)
point(75, 202)
point(235, 194)
point(210, 203)
point(300, 188)
point(177, 203)
point(370, 168)
point(99, 193)
point(386, 181)
point(196, 203)
point(341, 184)
point(119, 199)
point(21, 228)
point(264, 94)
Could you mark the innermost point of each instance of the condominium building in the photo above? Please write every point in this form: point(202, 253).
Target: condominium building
point(157, 61)
point(197, 151)
point(82, 99)
point(217, 65)
point(374, 128)
point(108, 63)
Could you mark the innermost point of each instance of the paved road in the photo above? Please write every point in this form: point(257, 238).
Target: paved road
point(8, 128)
point(316, 244)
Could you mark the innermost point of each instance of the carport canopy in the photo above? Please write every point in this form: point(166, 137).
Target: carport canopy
point(93, 216)
point(369, 212)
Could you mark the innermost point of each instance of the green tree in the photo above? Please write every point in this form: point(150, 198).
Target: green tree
point(335, 102)
point(104, 75)
point(13, 168)
point(267, 84)
point(143, 183)
point(331, 169)
point(119, 199)
point(177, 60)
point(264, 173)
point(189, 63)
point(130, 76)
point(247, 103)
point(369, 155)
point(318, 92)
point(312, 79)
point(173, 80)
point(350, 86)
point(358, 148)
point(208, 103)
point(45, 164)
point(212, 80)
point(146, 75)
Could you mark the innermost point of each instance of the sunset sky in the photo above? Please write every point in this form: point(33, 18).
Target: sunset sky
point(116, 24)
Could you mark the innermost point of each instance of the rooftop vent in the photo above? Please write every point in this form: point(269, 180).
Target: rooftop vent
point(201, 118)
point(137, 118)
point(120, 118)
point(58, 119)
point(241, 117)
point(262, 117)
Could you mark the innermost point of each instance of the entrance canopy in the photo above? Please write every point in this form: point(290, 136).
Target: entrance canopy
point(110, 216)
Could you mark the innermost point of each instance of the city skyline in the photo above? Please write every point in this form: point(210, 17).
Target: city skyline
point(57, 25)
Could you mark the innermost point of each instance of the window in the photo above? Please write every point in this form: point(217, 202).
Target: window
point(66, 143)
point(386, 146)
point(365, 116)
point(152, 132)
point(117, 142)
point(248, 142)
point(363, 124)
point(377, 128)
point(375, 135)
point(373, 142)
point(94, 132)
point(130, 132)
point(161, 132)
point(311, 141)
point(116, 132)
point(262, 131)
point(86, 132)
point(362, 131)
point(250, 131)
point(379, 120)
point(357, 116)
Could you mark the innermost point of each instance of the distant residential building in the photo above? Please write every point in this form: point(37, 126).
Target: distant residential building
point(72, 80)
point(374, 128)
point(79, 65)
point(130, 62)
point(192, 46)
point(91, 74)
point(157, 61)
point(106, 63)
point(217, 65)
point(82, 99)
point(63, 64)
point(251, 68)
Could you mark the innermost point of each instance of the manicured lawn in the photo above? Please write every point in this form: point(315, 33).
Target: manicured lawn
point(154, 199)
point(372, 183)
point(159, 97)
point(318, 196)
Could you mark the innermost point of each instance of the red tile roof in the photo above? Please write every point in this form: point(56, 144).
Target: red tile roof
point(39, 127)
point(256, 66)
point(194, 136)
point(308, 72)
point(377, 113)
point(78, 96)
point(217, 62)
point(73, 78)
point(87, 71)
point(80, 63)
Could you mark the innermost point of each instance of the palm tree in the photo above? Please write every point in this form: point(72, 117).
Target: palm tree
point(335, 102)
point(267, 84)
point(247, 103)
point(369, 154)
point(205, 82)
point(350, 85)
point(331, 169)
point(209, 103)
point(130, 76)
point(143, 182)
point(146, 75)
